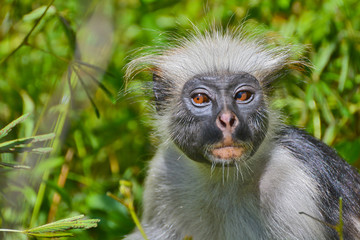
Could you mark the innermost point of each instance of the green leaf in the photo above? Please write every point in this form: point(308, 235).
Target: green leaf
point(323, 58)
point(349, 150)
point(27, 149)
point(37, 13)
point(344, 71)
point(322, 103)
point(51, 235)
point(13, 145)
point(56, 229)
point(330, 134)
point(69, 31)
point(63, 225)
point(14, 165)
point(10, 126)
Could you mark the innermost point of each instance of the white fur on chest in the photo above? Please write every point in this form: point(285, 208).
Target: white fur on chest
point(196, 203)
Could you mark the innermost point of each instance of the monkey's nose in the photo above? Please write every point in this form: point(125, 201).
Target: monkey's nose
point(227, 121)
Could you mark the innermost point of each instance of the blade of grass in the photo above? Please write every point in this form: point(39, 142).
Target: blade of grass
point(14, 165)
point(87, 93)
point(99, 69)
point(100, 84)
point(344, 72)
point(6, 146)
point(10, 126)
point(70, 33)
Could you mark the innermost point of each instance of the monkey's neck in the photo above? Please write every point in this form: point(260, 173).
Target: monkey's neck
point(247, 173)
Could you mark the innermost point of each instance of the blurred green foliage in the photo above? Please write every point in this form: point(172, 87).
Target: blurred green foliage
point(72, 63)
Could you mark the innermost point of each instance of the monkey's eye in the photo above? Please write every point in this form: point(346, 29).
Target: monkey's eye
point(243, 96)
point(199, 99)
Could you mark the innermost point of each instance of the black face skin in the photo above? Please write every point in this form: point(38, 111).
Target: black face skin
point(194, 129)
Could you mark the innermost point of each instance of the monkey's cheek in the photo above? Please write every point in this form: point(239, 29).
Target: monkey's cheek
point(228, 153)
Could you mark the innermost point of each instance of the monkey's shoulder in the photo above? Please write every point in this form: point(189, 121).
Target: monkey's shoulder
point(335, 177)
point(312, 151)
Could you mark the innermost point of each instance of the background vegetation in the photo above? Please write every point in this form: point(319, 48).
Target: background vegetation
point(66, 69)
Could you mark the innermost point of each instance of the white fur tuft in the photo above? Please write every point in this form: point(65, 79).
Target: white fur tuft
point(214, 52)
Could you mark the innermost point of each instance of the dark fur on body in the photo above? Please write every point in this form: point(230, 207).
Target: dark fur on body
point(336, 178)
point(271, 171)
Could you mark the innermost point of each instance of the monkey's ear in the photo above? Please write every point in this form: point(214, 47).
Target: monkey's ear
point(157, 88)
point(161, 92)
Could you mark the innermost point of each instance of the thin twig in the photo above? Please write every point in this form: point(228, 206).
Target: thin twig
point(25, 40)
point(318, 220)
point(48, 52)
point(339, 226)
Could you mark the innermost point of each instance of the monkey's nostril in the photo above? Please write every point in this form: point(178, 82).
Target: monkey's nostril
point(222, 122)
point(227, 120)
point(232, 121)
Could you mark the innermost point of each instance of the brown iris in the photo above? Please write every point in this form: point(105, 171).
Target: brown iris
point(243, 96)
point(200, 98)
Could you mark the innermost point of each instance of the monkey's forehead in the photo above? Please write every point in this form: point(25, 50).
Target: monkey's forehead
point(217, 53)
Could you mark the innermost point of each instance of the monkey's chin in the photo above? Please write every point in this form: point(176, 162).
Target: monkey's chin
point(227, 153)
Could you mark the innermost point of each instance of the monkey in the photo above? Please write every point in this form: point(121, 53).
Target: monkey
point(227, 166)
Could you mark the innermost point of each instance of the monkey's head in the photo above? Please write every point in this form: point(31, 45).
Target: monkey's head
point(211, 94)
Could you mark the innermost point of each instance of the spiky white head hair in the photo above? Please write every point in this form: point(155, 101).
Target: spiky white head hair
point(215, 52)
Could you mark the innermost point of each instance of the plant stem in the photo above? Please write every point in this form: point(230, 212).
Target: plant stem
point(131, 209)
point(24, 41)
point(10, 230)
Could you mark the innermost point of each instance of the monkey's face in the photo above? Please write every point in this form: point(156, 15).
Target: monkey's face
point(221, 118)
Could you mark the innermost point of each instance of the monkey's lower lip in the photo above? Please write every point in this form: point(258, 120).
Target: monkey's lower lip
point(228, 152)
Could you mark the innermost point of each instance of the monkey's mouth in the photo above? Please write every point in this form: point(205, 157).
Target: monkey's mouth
point(228, 152)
